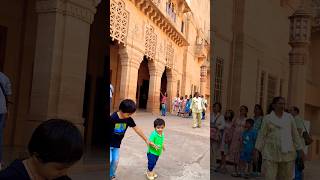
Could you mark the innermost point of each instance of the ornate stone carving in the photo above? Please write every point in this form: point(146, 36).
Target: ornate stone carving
point(169, 55)
point(83, 10)
point(119, 21)
point(150, 42)
point(300, 27)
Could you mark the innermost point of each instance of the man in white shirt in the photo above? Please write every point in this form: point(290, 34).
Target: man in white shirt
point(5, 92)
point(205, 103)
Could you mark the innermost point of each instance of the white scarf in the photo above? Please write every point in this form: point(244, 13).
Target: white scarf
point(285, 130)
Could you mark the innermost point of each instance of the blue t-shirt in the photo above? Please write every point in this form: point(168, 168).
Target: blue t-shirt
point(249, 140)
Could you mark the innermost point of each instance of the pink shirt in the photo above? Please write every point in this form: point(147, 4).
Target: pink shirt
point(164, 100)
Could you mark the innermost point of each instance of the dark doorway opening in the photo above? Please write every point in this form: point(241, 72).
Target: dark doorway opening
point(143, 84)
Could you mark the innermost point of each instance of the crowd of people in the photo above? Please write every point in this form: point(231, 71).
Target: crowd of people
point(187, 106)
point(275, 140)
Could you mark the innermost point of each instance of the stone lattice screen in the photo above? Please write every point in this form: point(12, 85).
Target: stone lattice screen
point(119, 21)
point(169, 55)
point(151, 42)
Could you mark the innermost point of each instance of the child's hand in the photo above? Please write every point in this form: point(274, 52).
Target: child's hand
point(153, 145)
point(164, 149)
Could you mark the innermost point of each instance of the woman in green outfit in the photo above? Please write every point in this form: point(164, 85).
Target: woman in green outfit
point(278, 140)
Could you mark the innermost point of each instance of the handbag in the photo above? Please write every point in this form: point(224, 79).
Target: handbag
point(307, 137)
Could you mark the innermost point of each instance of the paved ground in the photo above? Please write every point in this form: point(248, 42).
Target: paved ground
point(311, 172)
point(186, 157)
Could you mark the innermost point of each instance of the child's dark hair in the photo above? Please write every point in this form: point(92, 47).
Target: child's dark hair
point(56, 140)
point(250, 121)
point(296, 109)
point(159, 122)
point(127, 106)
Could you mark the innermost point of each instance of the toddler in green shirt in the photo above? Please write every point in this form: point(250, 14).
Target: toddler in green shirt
point(157, 137)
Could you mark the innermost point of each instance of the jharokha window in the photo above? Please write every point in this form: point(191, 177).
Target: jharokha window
point(217, 94)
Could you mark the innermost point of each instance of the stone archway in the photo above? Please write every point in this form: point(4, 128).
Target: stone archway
point(142, 92)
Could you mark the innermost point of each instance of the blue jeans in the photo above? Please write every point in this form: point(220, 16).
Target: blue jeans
point(203, 115)
point(152, 161)
point(114, 159)
point(298, 172)
point(163, 109)
point(2, 119)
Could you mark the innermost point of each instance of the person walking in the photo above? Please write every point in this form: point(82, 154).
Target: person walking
point(197, 107)
point(5, 93)
point(278, 141)
point(217, 125)
point(235, 146)
point(258, 116)
point(294, 111)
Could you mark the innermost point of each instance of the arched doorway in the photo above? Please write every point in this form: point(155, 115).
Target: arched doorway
point(143, 84)
point(164, 81)
point(166, 86)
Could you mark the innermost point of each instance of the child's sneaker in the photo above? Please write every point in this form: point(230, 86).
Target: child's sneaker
point(149, 175)
point(155, 175)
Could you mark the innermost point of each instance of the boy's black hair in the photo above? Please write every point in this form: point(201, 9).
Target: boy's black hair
point(159, 122)
point(56, 140)
point(127, 106)
point(296, 109)
point(250, 121)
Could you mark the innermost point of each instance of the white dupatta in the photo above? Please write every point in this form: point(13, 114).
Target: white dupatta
point(284, 123)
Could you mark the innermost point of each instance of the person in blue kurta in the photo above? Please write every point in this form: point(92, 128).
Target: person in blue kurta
point(248, 139)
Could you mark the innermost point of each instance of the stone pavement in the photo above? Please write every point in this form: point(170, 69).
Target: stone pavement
point(311, 172)
point(187, 155)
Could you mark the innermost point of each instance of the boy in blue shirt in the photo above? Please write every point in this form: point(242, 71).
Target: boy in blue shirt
point(248, 139)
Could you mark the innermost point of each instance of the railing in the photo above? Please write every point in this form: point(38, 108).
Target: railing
point(169, 12)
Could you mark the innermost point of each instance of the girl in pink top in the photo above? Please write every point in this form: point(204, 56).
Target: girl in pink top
point(163, 104)
point(235, 146)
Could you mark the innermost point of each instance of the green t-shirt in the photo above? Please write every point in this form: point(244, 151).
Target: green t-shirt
point(157, 140)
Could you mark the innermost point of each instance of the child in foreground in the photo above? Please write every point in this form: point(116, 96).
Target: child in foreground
point(120, 121)
point(153, 154)
point(55, 146)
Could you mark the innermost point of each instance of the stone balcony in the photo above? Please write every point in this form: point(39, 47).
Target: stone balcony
point(201, 50)
point(156, 11)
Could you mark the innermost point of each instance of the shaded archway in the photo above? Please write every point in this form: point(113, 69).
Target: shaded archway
point(166, 86)
point(143, 84)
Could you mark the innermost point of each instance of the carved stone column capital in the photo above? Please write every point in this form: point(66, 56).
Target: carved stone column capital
point(130, 57)
point(81, 9)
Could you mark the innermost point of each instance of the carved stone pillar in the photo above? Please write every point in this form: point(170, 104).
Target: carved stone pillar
point(130, 60)
point(300, 29)
point(171, 88)
point(60, 60)
point(156, 71)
